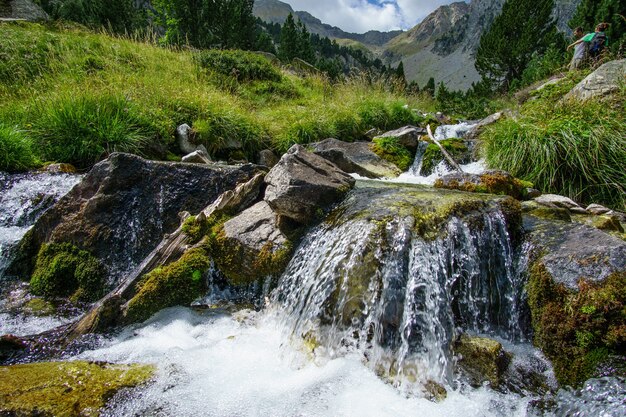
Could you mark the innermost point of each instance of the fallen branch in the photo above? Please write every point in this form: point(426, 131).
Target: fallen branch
point(443, 151)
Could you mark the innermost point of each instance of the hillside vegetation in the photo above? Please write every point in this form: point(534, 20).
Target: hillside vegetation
point(70, 95)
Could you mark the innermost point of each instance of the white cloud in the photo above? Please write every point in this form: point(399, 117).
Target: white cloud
point(362, 15)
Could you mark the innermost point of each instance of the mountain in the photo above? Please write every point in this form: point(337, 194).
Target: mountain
point(276, 11)
point(444, 44)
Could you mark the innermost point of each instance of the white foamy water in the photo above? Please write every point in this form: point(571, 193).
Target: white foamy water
point(242, 365)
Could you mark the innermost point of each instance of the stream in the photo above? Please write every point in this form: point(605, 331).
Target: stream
point(313, 349)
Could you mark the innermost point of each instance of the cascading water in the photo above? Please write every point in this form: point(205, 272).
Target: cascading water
point(23, 198)
point(381, 288)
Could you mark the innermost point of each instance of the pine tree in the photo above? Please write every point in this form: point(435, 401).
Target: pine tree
point(289, 36)
point(305, 49)
point(399, 73)
point(591, 12)
point(523, 28)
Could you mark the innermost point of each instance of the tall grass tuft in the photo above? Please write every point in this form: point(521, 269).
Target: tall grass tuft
point(82, 130)
point(570, 149)
point(15, 150)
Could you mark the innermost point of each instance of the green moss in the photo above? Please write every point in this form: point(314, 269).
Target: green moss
point(39, 307)
point(63, 270)
point(490, 183)
point(389, 149)
point(483, 359)
point(430, 220)
point(65, 389)
point(178, 283)
point(577, 330)
point(432, 156)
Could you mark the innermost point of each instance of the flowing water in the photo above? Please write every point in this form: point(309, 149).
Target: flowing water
point(362, 323)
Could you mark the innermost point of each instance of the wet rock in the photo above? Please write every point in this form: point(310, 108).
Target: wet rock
point(197, 157)
point(251, 246)
point(492, 182)
point(532, 193)
point(355, 157)
point(559, 201)
point(597, 209)
point(599, 83)
point(65, 388)
point(457, 148)
point(408, 136)
point(10, 345)
point(123, 207)
point(482, 359)
point(302, 185)
point(267, 158)
point(60, 169)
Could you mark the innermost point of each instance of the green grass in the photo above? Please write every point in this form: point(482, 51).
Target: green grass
point(78, 95)
point(16, 152)
point(565, 147)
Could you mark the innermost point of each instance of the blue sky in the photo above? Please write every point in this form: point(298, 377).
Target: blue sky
point(363, 15)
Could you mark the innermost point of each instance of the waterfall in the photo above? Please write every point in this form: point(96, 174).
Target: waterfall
point(399, 299)
point(23, 198)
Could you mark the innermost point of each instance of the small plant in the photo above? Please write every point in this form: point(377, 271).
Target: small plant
point(240, 65)
point(15, 150)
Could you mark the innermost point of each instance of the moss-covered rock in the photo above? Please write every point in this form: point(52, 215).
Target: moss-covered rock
point(482, 359)
point(39, 307)
point(63, 269)
point(579, 331)
point(178, 283)
point(457, 149)
point(65, 389)
point(390, 149)
point(610, 223)
point(491, 182)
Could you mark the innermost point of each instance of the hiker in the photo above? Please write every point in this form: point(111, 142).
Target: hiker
point(596, 42)
point(580, 50)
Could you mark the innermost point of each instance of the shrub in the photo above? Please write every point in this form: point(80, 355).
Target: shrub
point(84, 129)
point(241, 65)
point(15, 150)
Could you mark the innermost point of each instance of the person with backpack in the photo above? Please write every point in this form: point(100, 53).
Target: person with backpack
point(596, 42)
point(580, 50)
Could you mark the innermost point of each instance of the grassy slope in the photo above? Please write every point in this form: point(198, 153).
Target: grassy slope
point(563, 146)
point(74, 96)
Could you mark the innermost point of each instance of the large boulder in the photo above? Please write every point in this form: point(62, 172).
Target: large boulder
point(123, 207)
point(251, 246)
point(355, 157)
point(302, 185)
point(605, 80)
point(408, 136)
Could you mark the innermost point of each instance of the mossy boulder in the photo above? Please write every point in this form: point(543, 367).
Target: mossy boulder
point(482, 359)
point(65, 389)
point(391, 149)
point(457, 148)
point(178, 283)
point(64, 270)
point(492, 182)
point(39, 307)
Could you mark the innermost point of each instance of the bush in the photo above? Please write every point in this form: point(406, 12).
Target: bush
point(15, 150)
point(241, 65)
point(84, 129)
point(568, 148)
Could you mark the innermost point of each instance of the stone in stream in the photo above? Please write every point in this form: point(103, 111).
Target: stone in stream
point(355, 157)
point(302, 185)
point(482, 359)
point(492, 182)
point(554, 200)
point(122, 208)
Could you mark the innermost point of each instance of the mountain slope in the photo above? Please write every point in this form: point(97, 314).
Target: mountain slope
point(276, 11)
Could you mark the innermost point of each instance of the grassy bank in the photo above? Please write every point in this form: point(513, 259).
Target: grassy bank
point(70, 95)
point(564, 146)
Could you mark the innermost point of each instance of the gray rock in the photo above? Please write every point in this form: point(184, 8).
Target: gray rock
point(559, 201)
point(490, 181)
point(267, 158)
point(601, 82)
point(302, 184)
point(408, 136)
point(22, 9)
point(123, 207)
point(183, 137)
point(597, 209)
point(489, 120)
point(575, 251)
point(197, 157)
point(532, 193)
point(355, 157)
point(372, 133)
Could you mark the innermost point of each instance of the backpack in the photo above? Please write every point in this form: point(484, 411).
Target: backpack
point(596, 46)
